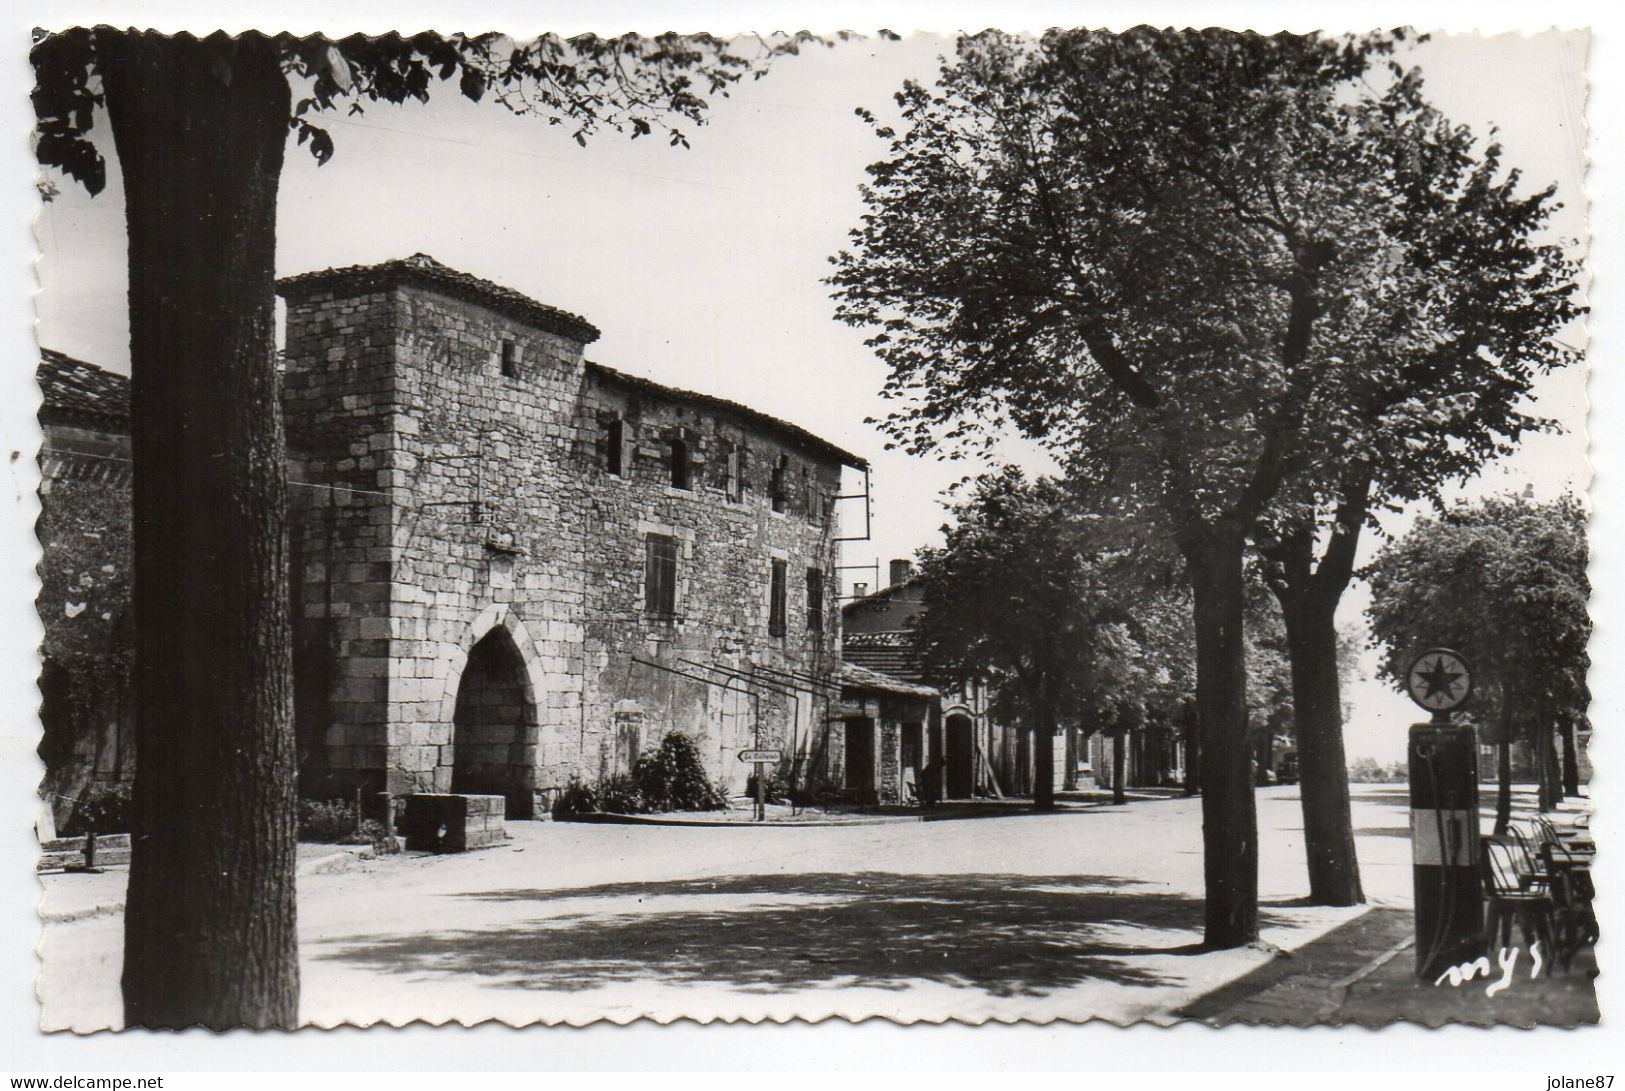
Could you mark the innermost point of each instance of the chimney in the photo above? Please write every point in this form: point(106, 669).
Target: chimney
point(859, 590)
point(900, 570)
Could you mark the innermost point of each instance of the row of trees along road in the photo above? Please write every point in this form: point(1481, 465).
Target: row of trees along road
point(1074, 620)
point(199, 126)
point(1504, 582)
point(1257, 283)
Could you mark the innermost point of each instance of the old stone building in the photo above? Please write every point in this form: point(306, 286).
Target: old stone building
point(961, 748)
point(512, 567)
point(84, 600)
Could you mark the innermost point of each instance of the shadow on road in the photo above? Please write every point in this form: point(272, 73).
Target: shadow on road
point(1007, 935)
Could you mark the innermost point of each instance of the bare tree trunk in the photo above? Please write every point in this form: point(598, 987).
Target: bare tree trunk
point(1193, 757)
point(1069, 776)
point(1571, 759)
point(1044, 760)
point(1229, 810)
point(209, 920)
point(1503, 776)
point(1551, 784)
point(1323, 778)
point(1119, 743)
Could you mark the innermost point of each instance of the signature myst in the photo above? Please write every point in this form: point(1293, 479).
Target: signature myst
point(1507, 958)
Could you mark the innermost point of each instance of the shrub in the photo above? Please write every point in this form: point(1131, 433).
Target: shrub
point(774, 788)
point(103, 809)
point(673, 778)
point(670, 778)
point(616, 795)
point(331, 821)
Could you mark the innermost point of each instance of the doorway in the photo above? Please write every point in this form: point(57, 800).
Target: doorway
point(860, 753)
point(489, 756)
point(961, 758)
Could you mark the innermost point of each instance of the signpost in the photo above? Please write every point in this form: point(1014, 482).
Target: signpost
point(761, 759)
point(1444, 815)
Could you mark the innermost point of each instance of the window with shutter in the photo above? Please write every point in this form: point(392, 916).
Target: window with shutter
point(776, 603)
point(815, 600)
point(660, 576)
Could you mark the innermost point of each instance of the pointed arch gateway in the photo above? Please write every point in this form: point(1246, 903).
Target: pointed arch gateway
point(491, 704)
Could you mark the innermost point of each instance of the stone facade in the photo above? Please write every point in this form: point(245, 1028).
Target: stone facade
point(86, 701)
point(515, 567)
point(967, 751)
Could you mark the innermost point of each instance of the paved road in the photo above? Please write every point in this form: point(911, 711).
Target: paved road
point(1093, 914)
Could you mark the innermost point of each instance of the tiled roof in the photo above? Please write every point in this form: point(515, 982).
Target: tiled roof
point(856, 677)
point(890, 652)
point(78, 391)
point(794, 431)
point(423, 270)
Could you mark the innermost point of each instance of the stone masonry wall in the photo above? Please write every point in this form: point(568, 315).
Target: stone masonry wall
point(460, 504)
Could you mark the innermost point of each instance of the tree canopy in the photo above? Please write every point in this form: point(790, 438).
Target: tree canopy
point(1232, 275)
point(627, 83)
point(1503, 582)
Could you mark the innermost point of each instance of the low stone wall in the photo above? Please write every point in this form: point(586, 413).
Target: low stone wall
point(442, 822)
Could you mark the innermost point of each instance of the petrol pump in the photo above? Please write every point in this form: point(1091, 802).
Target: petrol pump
point(1444, 816)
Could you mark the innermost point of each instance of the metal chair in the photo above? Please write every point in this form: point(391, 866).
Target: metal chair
point(1569, 876)
point(1513, 896)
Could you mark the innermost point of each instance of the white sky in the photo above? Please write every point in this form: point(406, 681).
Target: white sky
point(703, 266)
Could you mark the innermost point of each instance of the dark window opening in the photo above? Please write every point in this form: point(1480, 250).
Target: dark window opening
point(660, 576)
point(775, 610)
point(510, 360)
point(779, 493)
point(815, 600)
point(679, 463)
point(736, 473)
point(615, 443)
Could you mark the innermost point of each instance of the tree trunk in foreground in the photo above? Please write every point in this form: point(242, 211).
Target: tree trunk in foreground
point(1571, 759)
point(1229, 810)
point(200, 129)
point(1118, 764)
point(1323, 777)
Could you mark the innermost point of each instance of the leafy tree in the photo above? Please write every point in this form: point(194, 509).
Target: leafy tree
point(1015, 596)
point(1504, 583)
point(199, 126)
point(1478, 302)
point(1184, 259)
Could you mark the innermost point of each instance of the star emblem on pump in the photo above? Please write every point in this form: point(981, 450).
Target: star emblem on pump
point(1439, 680)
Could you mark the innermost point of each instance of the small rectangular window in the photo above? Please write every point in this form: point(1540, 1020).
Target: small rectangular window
point(510, 360)
point(776, 604)
point(679, 463)
point(779, 489)
point(815, 600)
point(660, 576)
point(736, 465)
point(615, 446)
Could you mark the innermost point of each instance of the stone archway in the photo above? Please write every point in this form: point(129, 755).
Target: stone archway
point(491, 706)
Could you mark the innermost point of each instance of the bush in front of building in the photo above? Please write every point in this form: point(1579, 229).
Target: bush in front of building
point(618, 794)
point(104, 810)
point(673, 778)
point(775, 789)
